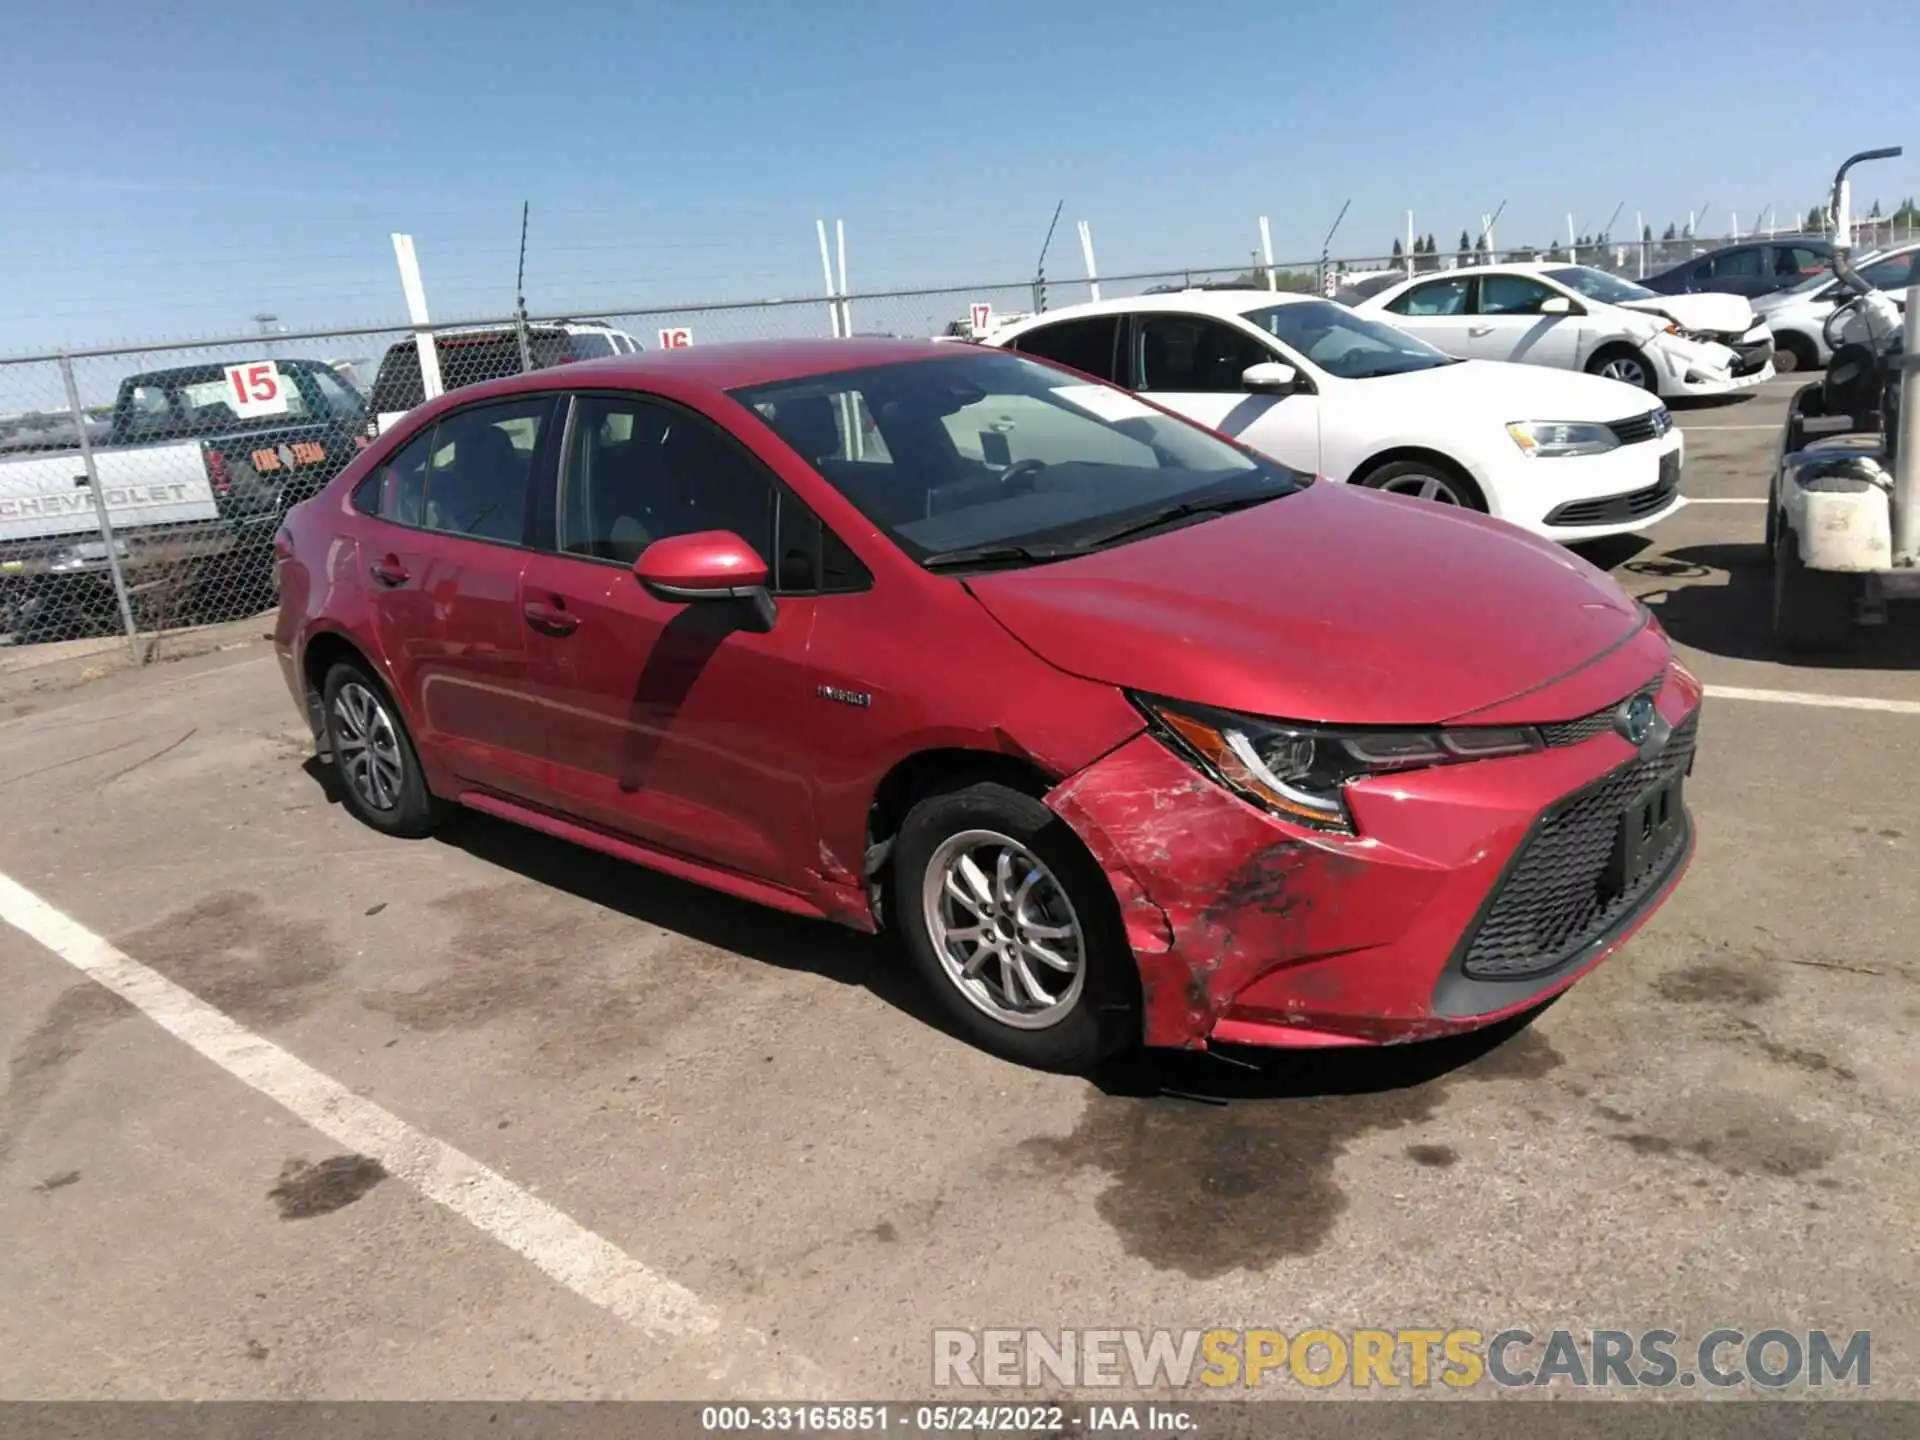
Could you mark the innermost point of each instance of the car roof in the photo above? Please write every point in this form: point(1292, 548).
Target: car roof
point(213, 369)
point(710, 369)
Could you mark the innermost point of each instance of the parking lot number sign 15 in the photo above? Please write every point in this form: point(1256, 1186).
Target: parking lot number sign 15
point(256, 388)
point(678, 338)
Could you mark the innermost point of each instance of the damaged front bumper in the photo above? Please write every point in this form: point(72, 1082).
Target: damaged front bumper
point(1248, 930)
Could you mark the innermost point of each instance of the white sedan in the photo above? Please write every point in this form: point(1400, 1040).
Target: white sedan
point(1322, 388)
point(1798, 316)
point(1573, 317)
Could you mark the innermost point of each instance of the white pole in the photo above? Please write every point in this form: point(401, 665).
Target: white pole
point(431, 385)
point(826, 268)
point(1266, 253)
point(1734, 217)
point(1486, 229)
point(846, 305)
point(1573, 247)
point(1408, 255)
point(1086, 249)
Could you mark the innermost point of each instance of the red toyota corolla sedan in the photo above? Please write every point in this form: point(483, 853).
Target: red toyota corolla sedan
point(1131, 735)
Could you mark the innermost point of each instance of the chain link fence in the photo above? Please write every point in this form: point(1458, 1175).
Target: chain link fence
point(141, 488)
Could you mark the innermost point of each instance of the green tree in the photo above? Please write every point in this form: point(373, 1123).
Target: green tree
point(1874, 213)
point(1816, 218)
point(1466, 248)
point(1399, 255)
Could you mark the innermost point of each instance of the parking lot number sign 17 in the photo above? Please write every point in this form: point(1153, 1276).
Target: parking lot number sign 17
point(256, 388)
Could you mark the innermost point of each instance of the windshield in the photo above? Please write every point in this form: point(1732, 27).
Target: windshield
point(989, 449)
point(1599, 285)
point(1345, 344)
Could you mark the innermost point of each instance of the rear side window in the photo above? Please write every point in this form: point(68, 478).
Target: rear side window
point(1512, 295)
point(480, 469)
point(1087, 345)
point(1442, 297)
point(397, 491)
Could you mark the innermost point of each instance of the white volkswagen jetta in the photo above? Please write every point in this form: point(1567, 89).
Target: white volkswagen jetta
point(1325, 389)
point(1573, 317)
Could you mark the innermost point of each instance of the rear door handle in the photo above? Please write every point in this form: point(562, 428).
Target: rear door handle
point(389, 571)
point(553, 619)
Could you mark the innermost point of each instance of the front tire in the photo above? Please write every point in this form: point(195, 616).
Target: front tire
point(1014, 929)
point(1628, 366)
point(381, 781)
point(1812, 609)
point(1424, 480)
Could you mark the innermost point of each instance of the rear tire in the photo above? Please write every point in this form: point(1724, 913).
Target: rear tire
point(1812, 609)
point(1628, 366)
point(1014, 929)
point(1425, 480)
point(374, 759)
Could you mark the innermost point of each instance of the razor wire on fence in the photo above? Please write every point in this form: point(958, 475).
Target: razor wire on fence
point(142, 487)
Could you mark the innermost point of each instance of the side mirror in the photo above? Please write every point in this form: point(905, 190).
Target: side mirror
point(1270, 377)
point(1556, 305)
point(706, 565)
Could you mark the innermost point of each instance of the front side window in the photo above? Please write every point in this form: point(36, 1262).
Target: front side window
point(480, 467)
point(1894, 273)
point(1086, 345)
point(1512, 295)
point(1194, 355)
point(1798, 260)
point(1344, 343)
point(1442, 297)
point(1076, 466)
point(637, 471)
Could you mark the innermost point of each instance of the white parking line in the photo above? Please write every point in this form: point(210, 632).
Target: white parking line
point(591, 1267)
point(1726, 499)
point(1807, 697)
point(1690, 429)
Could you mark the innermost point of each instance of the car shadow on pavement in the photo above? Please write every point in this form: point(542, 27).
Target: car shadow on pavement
point(1225, 1074)
point(790, 942)
point(1732, 619)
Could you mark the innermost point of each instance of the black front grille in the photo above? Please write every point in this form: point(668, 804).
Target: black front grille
point(1637, 428)
point(1556, 897)
point(1573, 732)
point(1618, 509)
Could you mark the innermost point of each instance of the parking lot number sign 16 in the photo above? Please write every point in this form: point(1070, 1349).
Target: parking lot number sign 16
point(678, 338)
point(256, 388)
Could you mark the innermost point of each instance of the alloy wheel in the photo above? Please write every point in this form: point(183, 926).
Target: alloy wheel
point(1423, 487)
point(367, 746)
point(1004, 930)
point(1627, 370)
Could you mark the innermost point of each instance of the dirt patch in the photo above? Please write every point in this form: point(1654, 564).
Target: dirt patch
point(1214, 1168)
point(240, 957)
point(1434, 1157)
point(77, 1018)
point(1717, 982)
point(564, 969)
point(58, 1182)
point(1738, 1135)
point(305, 1191)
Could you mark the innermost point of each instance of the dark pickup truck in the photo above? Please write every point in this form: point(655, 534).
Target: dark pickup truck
point(196, 468)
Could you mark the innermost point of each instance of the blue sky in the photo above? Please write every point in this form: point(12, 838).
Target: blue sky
point(171, 169)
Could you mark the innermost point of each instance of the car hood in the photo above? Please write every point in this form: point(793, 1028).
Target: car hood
point(1501, 390)
point(1335, 604)
point(1704, 314)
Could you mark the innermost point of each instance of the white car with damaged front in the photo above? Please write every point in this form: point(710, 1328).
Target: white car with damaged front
point(1573, 317)
point(1325, 389)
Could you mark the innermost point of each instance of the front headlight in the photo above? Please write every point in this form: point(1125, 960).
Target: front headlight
point(1300, 772)
point(1549, 438)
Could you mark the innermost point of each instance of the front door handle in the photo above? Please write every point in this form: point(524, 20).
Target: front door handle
point(1479, 330)
point(553, 618)
point(389, 571)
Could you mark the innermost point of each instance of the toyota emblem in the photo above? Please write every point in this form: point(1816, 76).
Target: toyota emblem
point(1635, 720)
